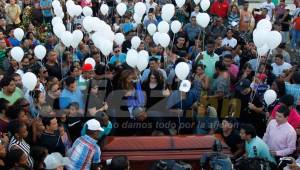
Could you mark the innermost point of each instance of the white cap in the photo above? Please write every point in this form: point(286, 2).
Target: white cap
point(185, 86)
point(94, 124)
point(55, 160)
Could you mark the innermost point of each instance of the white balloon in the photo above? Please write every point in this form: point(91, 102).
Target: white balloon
point(59, 12)
point(105, 34)
point(106, 46)
point(119, 38)
point(182, 70)
point(17, 53)
point(56, 20)
point(163, 27)
point(264, 24)
point(121, 9)
point(87, 11)
point(90, 61)
point(137, 18)
point(29, 80)
point(273, 39)
point(259, 37)
point(196, 2)
point(140, 8)
point(56, 4)
point(205, 4)
point(118, 1)
point(263, 50)
point(69, 3)
point(203, 19)
point(175, 26)
point(270, 96)
point(71, 10)
point(156, 37)
point(180, 3)
point(67, 38)
point(19, 34)
point(164, 39)
point(59, 29)
point(88, 23)
point(135, 42)
point(168, 11)
point(104, 9)
point(78, 10)
point(132, 58)
point(143, 60)
point(151, 28)
point(77, 36)
point(40, 52)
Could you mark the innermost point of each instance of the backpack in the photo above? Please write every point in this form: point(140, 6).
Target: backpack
point(254, 164)
point(216, 161)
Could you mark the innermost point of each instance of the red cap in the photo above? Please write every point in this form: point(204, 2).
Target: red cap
point(87, 67)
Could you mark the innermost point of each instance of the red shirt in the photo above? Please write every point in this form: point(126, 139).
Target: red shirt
point(219, 8)
point(297, 23)
point(293, 119)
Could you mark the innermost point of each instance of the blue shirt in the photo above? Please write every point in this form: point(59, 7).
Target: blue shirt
point(14, 42)
point(120, 58)
point(83, 153)
point(262, 149)
point(46, 3)
point(127, 27)
point(294, 90)
point(67, 97)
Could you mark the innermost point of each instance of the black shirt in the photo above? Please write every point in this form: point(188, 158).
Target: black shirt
point(52, 142)
point(232, 140)
point(54, 70)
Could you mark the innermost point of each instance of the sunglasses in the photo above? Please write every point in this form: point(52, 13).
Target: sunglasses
point(117, 51)
point(25, 105)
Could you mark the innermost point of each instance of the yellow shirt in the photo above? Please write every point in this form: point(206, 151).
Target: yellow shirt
point(13, 13)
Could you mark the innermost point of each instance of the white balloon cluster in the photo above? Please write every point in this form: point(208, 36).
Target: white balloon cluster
point(265, 39)
point(137, 60)
point(58, 11)
point(74, 10)
point(270, 96)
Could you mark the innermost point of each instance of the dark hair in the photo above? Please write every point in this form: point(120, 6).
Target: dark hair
point(14, 111)
point(220, 66)
point(35, 94)
point(158, 76)
point(15, 126)
point(73, 104)
point(229, 56)
point(281, 87)
point(47, 120)
point(13, 157)
point(3, 105)
point(70, 80)
point(279, 56)
point(249, 130)
point(284, 110)
point(14, 75)
point(296, 76)
point(38, 154)
point(153, 59)
point(151, 10)
point(119, 162)
point(6, 81)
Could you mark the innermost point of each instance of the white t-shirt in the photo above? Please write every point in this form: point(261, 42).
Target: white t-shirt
point(229, 42)
point(269, 6)
point(278, 69)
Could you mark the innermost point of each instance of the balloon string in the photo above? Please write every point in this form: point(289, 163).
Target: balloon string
point(179, 121)
point(173, 42)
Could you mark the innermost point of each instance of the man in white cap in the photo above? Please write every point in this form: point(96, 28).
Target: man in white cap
point(55, 161)
point(85, 152)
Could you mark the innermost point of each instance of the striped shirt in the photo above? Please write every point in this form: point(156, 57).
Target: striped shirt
point(83, 153)
point(25, 147)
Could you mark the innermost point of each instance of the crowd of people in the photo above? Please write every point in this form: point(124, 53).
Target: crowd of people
point(62, 122)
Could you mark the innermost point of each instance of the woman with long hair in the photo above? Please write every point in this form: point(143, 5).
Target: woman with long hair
point(39, 99)
point(233, 15)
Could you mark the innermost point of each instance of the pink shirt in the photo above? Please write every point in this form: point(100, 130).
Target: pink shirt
point(84, 3)
point(280, 138)
point(293, 119)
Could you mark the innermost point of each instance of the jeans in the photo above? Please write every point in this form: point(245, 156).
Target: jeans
point(295, 38)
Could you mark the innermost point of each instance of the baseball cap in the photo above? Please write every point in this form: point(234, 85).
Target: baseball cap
point(87, 67)
point(94, 125)
point(244, 84)
point(137, 110)
point(55, 160)
point(185, 86)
